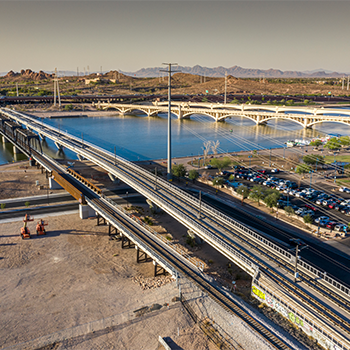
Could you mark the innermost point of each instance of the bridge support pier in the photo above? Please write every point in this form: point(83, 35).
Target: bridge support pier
point(4, 140)
point(100, 220)
point(53, 185)
point(197, 239)
point(80, 157)
point(158, 270)
point(86, 212)
point(16, 150)
point(59, 147)
point(154, 208)
point(141, 256)
point(126, 243)
point(113, 178)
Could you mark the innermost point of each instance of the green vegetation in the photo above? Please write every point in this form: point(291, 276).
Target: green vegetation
point(3, 205)
point(257, 193)
point(316, 143)
point(178, 170)
point(218, 181)
point(308, 219)
point(333, 144)
point(193, 175)
point(220, 163)
point(148, 221)
point(27, 204)
point(68, 107)
point(289, 210)
point(312, 159)
point(243, 190)
point(302, 169)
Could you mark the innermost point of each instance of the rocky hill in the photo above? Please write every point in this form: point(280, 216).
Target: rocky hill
point(237, 71)
point(28, 74)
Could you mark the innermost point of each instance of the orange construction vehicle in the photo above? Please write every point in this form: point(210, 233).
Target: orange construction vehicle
point(25, 233)
point(40, 227)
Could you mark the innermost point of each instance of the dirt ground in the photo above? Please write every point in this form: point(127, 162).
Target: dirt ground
point(74, 275)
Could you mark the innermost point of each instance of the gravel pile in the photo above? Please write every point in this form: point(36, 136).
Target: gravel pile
point(151, 282)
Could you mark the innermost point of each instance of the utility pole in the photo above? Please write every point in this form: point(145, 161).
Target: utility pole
point(101, 69)
point(342, 82)
point(77, 71)
point(200, 204)
point(84, 72)
point(17, 88)
point(348, 84)
point(56, 90)
point(169, 71)
point(225, 87)
point(88, 70)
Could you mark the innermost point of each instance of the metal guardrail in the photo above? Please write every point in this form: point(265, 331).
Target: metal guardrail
point(301, 316)
point(198, 264)
point(319, 274)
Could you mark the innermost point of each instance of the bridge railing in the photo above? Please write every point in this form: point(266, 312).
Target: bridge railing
point(281, 252)
point(199, 264)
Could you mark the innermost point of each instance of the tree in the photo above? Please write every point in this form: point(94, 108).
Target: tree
point(193, 175)
point(312, 159)
point(206, 148)
point(257, 193)
point(220, 163)
point(333, 144)
point(271, 200)
point(316, 143)
point(215, 146)
point(243, 191)
point(308, 219)
point(289, 210)
point(218, 181)
point(179, 170)
point(344, 140)
point(302, 169)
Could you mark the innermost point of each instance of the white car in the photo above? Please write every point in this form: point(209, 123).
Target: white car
point(344, 189)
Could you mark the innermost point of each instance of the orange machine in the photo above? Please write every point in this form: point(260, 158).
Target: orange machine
point(40, 227)
point(25, 233)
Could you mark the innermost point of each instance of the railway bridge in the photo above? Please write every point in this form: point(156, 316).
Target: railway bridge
point(306, 117)
point(318, 303)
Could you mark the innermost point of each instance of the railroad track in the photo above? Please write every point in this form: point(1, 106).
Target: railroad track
point(214, 293)
point(128, 171)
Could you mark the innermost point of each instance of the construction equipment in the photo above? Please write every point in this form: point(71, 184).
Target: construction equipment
point(25, 233)
point(40, 227)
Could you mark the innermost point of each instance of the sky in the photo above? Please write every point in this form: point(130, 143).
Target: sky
point(130, 35)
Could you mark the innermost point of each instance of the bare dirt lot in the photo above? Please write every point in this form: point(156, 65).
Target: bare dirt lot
point(74, 275)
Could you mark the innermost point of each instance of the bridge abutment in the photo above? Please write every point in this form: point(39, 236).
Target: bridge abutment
point(85, 211)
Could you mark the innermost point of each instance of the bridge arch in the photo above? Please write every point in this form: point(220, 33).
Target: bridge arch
point(328, 121)
point(286, 118)
point(223, 117)
point(189, 114)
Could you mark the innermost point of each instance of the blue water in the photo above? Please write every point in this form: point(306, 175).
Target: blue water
point(142, 138)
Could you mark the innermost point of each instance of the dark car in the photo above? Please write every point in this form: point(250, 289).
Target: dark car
point(331, 224)
point(309, 206)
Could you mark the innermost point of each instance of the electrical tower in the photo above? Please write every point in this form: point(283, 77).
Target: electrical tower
point(56, 90)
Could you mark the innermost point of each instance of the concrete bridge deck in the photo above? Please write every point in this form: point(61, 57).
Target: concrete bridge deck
point(258, 114)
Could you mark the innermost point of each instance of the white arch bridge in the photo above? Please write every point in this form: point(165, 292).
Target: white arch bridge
point(258, 114)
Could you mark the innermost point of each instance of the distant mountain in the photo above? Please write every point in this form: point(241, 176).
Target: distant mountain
point(238, 72)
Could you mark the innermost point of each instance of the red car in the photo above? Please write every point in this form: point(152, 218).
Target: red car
point(332, 205)
point(309, 206)
point(331, 225)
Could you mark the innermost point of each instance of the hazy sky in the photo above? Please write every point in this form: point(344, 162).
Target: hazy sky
point(129, 35)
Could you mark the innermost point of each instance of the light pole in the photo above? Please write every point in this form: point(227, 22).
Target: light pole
point(242, 197)
point(155, 173)
point(250, 158)
point(200, 204)
point(127, 203)
point(310, 178)
point(302, 245)
point(270, 158)
point(169, 71)
point(225, 87)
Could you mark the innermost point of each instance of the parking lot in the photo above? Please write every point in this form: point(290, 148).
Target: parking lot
point(327, 204)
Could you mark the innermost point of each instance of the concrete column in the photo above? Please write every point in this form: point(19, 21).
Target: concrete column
point(53, 185)
point(113, 178)
point(85, 212)
point(16, 150)
point(4, 139)
point(180, 112)
point(58, 145)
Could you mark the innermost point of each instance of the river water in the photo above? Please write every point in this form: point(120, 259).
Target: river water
point(136, 137)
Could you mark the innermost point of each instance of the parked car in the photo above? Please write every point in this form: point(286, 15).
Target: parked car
point(341, 228)
point(332, 205)
point(323, 223)
point(331, 224)
point(309, 206)
point(344, 189)
point(320, 218)
point(276, 171)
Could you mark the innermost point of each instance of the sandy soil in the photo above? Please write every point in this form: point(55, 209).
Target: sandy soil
point(75, 275)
